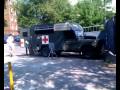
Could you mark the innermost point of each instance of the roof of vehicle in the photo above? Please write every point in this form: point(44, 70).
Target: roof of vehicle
point(57, 27)
point(43, 27)
point(61, 26)
point(67, 26)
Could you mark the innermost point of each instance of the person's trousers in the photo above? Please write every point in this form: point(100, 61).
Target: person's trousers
point(26, 51)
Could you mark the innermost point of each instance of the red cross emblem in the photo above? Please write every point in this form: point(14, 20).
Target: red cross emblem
point(45, 39)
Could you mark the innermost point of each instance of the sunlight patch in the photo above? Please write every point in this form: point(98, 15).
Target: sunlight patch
point(20, 82)
point(33, 82)
point(91, 86)
point(19, 65)
point(46, 63)
point(49, 84)
point(81, 72)
point(101, 72)
point(84, 67)
point(65, 87)
point(95, 79)
point(80, 84)
point(27, 73)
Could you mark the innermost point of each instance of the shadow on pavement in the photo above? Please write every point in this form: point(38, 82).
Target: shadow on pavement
point(43, 74)
point(66, 56)
point(22, 55)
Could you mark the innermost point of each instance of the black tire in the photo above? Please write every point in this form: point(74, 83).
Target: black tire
point(100, 48)
point(30, 48)
point(102, 53)
point(58, 53)
point(88, 52)
point(45, 52)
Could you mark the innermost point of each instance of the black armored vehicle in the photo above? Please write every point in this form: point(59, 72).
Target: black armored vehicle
point(67, 37)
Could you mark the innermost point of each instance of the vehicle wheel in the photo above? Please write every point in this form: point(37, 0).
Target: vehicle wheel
point(45, 51)
point(31, 52)
point(88, 52)
point(102, 52)
point(58, 53)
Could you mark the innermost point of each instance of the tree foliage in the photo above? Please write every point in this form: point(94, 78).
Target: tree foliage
point(86, 13)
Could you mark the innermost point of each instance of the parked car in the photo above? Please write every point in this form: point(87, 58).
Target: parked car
point(17, 38)
point(67, 37)
point(5, 39)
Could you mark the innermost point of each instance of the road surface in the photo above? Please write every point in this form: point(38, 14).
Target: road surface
point(60, 73)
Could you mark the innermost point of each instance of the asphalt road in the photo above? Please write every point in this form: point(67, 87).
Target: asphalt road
point(60, 73)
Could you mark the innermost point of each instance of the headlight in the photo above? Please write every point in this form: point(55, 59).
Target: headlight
point(94, 43)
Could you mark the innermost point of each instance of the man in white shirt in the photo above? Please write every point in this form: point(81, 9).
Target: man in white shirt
point(27, 46)
point(10, 43)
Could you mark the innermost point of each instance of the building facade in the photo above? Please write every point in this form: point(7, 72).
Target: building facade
point(10, 18)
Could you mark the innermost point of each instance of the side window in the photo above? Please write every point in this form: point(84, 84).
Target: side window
point(78, 30)
point(25, 34)
point(69, 34)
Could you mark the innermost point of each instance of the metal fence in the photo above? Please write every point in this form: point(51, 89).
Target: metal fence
point(93, 28)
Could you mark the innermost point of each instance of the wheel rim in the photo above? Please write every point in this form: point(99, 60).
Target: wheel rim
point(87, 52)
point(45, 52)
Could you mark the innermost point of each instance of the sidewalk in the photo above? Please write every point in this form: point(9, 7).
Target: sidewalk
point(18, 51)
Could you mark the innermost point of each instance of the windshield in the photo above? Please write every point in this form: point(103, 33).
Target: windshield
point(77, 29)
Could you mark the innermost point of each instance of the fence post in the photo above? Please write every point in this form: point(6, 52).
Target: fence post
point(92, 28)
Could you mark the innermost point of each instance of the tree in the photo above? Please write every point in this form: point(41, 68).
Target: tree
point(42, 11)
point(91, 12)
point(25, 14)
point(88, 12)
point(5, 22)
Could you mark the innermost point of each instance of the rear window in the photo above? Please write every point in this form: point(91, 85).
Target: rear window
point(43, 31)
point(25, 34)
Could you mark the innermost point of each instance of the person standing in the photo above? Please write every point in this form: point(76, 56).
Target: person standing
point(27, 46)
point(10, 43)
